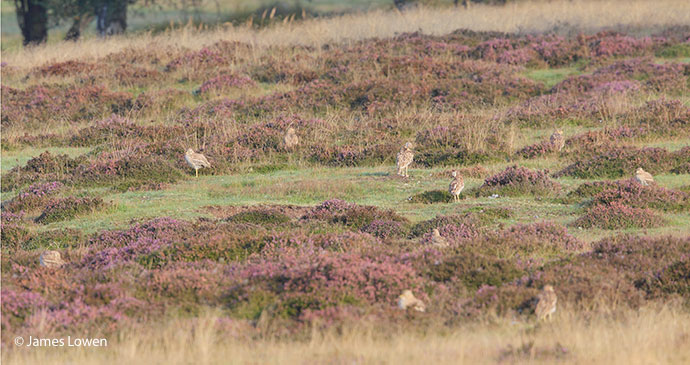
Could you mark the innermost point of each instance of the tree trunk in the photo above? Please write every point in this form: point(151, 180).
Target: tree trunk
point(112, 17)
point(80, 21)
point(33, 21)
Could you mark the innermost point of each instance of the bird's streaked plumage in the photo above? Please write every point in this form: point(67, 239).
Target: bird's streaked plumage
point(557, 140)
point(51, 259)
point(456, 185)
point(408, 300)
point(643, 177)
point(438, 240)
point(291, 140)
point(196, 160)
point(404, 159)
point(547, 303)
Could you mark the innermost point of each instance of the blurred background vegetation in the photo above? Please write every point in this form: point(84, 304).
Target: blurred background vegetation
point(37, 21)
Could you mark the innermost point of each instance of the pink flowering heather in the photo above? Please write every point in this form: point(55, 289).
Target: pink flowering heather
point(632, 193)
point(33, 197)
point(68, 208)
point(455, 234)
point(321, 279)
point(225, 82)
point(618, 216)
point(516, 180)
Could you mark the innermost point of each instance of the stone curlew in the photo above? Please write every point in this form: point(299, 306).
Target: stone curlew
point(408, 300)
point(438, 240)
point(51, 259)
point(291, 140)
point(547, 303)
point(456, 185)
point(404, 159)
point(557, 140)
point(643, 177)
point(196, 160)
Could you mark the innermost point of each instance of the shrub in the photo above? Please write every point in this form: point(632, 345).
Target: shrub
point(536, 150)
point(618, 216)
point(45, 167)
point(474, 270)
point(352, 215)
point(69, 208)
point(324, 279)
point(58, 238)
point(386, 229)
point(620, 162)
point(259, 216)
point(516, 180)
point(544, 238)
point(455, 234)
point(633, 194)
point(424, 227)
point(225, 82)
point(589, 189)
point(33, 197)
point(673, 279)
point(431, 197)
point(14, 235)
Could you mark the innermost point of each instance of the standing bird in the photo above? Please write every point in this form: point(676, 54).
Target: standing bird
point(557, 140)
point(438, 240)
point(408, 300)
point(456, 185)
point(547, 303)
point(291, 140)
point(51, 259)
point(643, 177)
point(196, 160)
point(404, 159)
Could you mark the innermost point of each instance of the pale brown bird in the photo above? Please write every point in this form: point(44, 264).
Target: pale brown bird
point(408, 300)
point(404, 159)
point(456, 185)
point(557, 140)
point(196, 160)
point(643, 177)
point(547, 303)
point(291, 140)
point(51, 259)
point(438, 240)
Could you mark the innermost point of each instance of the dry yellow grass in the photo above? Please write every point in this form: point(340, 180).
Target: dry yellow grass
point(537, 16)
point(657, 334)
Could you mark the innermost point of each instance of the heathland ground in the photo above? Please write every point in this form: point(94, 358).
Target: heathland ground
point(297, 254)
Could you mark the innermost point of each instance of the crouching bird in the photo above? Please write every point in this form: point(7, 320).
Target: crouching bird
point(643, 177)
point(51, 259)
point(408, 300)
point(196, 160)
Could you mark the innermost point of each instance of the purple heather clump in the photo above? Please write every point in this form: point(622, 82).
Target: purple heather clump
point(384, 229)
point(225, 82)
point(328, 209)
point(515, 175)
point(617, 87)
point(455, 233)
point(113, 248)
point(21, 303)
point(11, 217)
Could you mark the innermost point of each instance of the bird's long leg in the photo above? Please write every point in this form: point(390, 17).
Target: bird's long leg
point(196, 172)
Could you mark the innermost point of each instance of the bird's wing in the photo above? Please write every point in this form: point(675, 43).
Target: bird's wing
point(201, 159)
